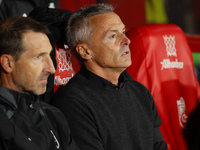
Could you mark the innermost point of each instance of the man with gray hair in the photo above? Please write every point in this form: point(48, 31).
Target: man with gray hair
point(106, 109)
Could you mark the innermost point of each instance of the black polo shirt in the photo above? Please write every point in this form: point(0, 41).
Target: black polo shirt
point(101, 81)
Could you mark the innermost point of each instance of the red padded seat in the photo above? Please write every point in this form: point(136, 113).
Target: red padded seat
point(67, 65)
point(162, 61)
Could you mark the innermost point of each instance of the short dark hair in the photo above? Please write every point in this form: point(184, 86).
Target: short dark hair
point(78, 28)
point(11, 34)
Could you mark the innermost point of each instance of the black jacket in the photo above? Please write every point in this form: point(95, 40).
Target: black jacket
point(26, 123)
point(10, 8)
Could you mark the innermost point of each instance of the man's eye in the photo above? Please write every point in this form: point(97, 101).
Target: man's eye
point(113, 36)
point(38, 57)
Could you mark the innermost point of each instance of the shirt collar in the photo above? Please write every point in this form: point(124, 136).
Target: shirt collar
point(101, 81)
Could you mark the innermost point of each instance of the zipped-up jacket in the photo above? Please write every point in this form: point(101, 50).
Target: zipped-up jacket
point(26, 123)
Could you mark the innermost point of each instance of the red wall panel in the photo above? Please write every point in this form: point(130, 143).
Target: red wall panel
point(131, 12)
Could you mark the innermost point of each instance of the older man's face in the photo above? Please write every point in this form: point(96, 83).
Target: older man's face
point(110, 46)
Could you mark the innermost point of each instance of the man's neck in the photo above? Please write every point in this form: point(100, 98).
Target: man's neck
point(110, 74)
point(7, 82)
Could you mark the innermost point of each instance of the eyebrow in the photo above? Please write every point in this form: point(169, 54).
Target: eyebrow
point(117, 30)
point(43, 53)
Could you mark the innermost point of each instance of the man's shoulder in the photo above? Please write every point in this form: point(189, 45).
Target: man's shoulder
point(76, 84)
point(75, 80)
point(132, 81)
point(53, 113)
point(48, 107)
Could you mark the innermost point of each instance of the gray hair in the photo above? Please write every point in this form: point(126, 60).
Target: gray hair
point(78, 28)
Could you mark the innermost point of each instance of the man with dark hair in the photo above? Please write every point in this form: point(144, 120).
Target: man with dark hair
point(27, 123)
point(106, 109)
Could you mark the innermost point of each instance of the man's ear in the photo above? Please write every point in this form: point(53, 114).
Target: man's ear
point(83, 51)
point(7, 62)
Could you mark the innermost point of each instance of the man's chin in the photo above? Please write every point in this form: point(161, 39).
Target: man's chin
point(38, 91)
point(129, 64)
point(42, 91)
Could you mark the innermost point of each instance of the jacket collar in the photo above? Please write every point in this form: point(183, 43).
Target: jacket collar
point(15, 99)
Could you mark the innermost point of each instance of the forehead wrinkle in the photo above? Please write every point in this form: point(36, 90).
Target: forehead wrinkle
point(106, 23)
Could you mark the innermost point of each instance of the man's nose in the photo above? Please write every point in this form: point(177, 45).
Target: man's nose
point(126, 41)
point(50, 66)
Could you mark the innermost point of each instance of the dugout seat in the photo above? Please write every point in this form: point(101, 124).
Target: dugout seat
point(162, 61)
point(67, 65)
